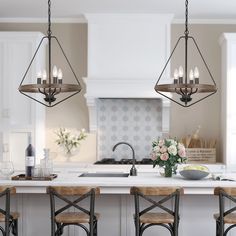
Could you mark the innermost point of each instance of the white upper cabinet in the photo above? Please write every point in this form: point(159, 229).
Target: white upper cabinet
point(20, 115)
point(228, 107)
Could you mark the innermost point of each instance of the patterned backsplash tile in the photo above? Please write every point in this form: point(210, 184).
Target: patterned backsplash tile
point(136, 121)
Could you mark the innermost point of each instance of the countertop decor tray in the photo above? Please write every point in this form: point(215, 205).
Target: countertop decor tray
point(22, 177)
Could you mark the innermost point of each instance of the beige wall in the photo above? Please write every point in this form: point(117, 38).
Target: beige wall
point(74, 114)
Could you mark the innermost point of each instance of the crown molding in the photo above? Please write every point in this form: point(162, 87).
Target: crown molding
point(82, 19)
point(43, 20)
point(206, 21)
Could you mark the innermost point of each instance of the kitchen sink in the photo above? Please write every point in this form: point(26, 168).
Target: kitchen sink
point(104, 175)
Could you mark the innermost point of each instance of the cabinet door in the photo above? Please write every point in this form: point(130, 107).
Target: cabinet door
point(19, 114)
point(228, 108)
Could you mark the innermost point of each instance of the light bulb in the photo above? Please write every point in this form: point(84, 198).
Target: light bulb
point(39, 74)
point(44, 75)
point(196, 72)
point(191, 77)
point(181, 72)
point(54, 72)
point(60, 75)
point(176, 74)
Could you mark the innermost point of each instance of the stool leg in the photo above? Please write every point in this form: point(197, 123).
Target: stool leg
point(221, 228)
point(217, 228)
point(137, 227)
point(95, 228)
point(15, 227)
point(176, 228)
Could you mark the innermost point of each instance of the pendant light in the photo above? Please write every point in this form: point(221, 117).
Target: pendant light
point(49, 87)
point(186, 86)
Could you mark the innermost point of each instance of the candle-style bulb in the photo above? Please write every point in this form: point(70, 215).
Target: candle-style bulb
point(54, 72)
point(44, 75)
point(60, 75)
point(39, 77)
point(181, 72)
point(196, 72)
point(176, 74)
point(39, 74)
point(191, 76)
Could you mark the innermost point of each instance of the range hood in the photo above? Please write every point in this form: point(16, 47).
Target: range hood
point(126, 53)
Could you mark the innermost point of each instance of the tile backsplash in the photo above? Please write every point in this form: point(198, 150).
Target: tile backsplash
point(136, 121)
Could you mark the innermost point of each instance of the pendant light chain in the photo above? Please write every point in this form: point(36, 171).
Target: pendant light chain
point(49, 18)
point(186, 18)
point(49, 44)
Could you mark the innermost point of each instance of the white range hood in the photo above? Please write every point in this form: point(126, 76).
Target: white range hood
point(126, 53)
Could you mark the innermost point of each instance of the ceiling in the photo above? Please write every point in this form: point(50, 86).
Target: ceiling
point(198, 9)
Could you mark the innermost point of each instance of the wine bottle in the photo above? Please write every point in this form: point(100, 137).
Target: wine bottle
point(29, 159)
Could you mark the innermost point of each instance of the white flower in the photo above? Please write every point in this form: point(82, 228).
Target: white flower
point(156, 149)
point(172, 150)
point(69, 141)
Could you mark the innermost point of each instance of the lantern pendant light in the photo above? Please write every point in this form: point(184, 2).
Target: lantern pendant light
point(50, 88)
point(186, 82)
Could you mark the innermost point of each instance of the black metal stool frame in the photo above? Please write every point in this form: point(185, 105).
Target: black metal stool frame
point(11, 225)
point(220, 231)
point(57, 231)
point(173, 228)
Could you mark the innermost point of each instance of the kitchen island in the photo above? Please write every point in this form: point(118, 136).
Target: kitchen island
point(115, 204)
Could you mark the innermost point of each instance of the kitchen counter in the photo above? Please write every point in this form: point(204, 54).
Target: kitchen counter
point(147, 176)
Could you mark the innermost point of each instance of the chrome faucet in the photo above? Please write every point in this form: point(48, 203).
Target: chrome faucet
point(133, 170)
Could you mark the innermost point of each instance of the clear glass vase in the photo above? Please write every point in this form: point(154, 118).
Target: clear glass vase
point(166, 171)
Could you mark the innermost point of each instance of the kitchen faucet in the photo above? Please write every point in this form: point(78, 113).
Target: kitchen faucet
point(133, 170)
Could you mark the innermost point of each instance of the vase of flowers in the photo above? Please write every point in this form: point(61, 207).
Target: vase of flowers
point(167, 154)
point(68, 141)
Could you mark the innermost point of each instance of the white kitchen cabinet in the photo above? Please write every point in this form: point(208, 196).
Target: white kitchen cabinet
point(228, 108)
point(20, 115)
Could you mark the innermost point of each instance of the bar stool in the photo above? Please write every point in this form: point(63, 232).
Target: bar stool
point(9, 218)
point(167, 218)
point(225, 216)
point(60, 218)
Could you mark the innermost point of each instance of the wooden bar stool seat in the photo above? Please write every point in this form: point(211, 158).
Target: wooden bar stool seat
point(9, 218)
point(73, 217)
point(226, 215)
point(60, 217)
point(14, 215)
point(157, 218)
point(164, 216)
point(228, 219)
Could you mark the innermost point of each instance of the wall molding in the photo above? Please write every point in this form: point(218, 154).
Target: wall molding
point(81, 20)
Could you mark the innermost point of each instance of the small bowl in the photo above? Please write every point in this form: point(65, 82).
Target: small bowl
point(194, 174)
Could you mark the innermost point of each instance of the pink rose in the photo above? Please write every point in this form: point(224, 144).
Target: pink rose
point(164, 156)
point(182, 152)
point(161, 142)
point(153, 156)
point(163, 149)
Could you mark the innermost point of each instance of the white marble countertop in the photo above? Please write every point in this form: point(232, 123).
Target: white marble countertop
point(147, 176)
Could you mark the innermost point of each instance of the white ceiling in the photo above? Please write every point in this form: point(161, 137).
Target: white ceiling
point(199, 9)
